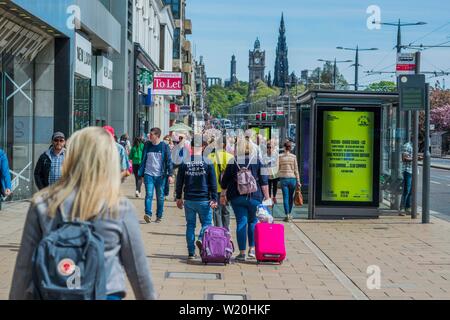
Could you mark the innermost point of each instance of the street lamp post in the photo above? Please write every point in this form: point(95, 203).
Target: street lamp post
point(357, 65)
point(335, 62)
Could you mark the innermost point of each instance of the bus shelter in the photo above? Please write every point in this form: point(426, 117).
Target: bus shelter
point(349, 148)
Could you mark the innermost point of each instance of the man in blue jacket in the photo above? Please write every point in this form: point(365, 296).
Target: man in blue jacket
point(197, 179)
point(5, 176)
point(156, 168)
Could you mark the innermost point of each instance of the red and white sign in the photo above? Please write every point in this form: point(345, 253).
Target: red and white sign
point(167, 83)
point(406, 63)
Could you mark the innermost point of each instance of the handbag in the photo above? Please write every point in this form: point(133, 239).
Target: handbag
point(298, 197)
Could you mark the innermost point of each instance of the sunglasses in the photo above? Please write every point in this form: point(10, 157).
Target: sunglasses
point(59, 140)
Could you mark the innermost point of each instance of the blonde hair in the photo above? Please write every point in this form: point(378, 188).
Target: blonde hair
point(91, 169)
point(245, 146)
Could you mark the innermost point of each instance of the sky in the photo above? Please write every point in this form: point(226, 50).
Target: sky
point(314, 28)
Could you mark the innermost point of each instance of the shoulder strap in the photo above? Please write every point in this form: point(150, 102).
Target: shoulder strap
point(250, 162)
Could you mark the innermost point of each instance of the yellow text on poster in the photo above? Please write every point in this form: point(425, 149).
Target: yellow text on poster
point(347, 166)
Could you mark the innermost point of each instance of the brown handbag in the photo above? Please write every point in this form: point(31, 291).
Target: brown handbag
point(298, 197)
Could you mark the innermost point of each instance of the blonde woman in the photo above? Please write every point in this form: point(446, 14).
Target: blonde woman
point(89, 190)
point(245, 205)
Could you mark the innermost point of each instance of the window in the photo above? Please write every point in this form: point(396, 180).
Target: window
point(130, 20)
point(176, 44)
point(175, 5)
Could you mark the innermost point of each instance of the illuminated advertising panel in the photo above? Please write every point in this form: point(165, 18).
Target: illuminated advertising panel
point(349, 157)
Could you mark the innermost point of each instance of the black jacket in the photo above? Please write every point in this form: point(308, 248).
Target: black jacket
point(42, 171)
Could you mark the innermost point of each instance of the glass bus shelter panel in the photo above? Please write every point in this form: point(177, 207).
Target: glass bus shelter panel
point(390, 185)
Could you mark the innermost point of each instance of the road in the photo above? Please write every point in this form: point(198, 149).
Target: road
point(440, 191)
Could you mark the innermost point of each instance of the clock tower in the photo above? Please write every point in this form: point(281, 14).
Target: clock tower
point(256, 66)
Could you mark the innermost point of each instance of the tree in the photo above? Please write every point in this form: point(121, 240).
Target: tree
point(382, 86)
point(325, 76)
point(220, 99)
point(263, 91)
point(439, 98)
point(440, 117)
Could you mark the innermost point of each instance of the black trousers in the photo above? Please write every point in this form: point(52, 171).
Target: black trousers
point(273, 187)
point(138, 179)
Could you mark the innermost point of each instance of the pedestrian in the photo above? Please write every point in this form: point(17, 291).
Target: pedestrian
point(289, 178)
point(136, 158)
point(156, 167)
point(124, 163)
point(272, 164)
point(196, 179)
point(220, 158)
point(407, 159)
point(168, 140)
point(245, 204)
point(48, 167)
point(5, 176)
point(89, 190)
point(125, 142)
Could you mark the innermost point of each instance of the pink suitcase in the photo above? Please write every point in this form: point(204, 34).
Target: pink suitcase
point(269, 242)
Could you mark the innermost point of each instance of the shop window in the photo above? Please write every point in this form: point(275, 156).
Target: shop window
point(82, 103)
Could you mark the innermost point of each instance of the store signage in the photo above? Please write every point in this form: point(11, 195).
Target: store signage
point(412, 92)
point(406, 63)
point(167, 83)
point(348, 156)
point(104, 73)
point(145, 77)
point(83, 56)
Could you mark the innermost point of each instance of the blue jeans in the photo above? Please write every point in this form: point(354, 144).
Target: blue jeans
point(406, 196)
point(245, 212)
point(204, 211)
point(152, 183)
point(288, 186)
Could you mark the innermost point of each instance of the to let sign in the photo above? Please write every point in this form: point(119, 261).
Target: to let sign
point(167, 83)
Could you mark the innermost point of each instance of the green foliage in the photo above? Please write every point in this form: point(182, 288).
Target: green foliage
point(382, 86)
point(263, 91)
point(220, 99)
point(324, 76)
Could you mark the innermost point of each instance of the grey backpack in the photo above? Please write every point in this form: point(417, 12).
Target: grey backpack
point(69, 264)
point(246, 182)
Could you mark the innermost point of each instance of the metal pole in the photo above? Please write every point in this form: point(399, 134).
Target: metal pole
point(356, 68)
point(289, 115)
point(334, 74)
point(415, 143)
point(426, 161)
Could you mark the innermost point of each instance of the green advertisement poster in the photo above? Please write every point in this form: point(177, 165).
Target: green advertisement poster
point(347, 163)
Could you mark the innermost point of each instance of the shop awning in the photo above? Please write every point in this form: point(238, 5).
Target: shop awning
point(19, 40)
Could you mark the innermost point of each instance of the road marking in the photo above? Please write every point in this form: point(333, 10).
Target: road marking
point(356, 292)
point(435, 182)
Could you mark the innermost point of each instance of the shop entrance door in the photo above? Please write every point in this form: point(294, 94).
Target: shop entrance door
point(16, 122)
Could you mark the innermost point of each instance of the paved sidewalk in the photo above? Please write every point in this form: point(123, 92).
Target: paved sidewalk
point(326, 259)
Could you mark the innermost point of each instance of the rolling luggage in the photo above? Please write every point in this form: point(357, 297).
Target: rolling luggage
point(217, 246)
point(269, 242)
